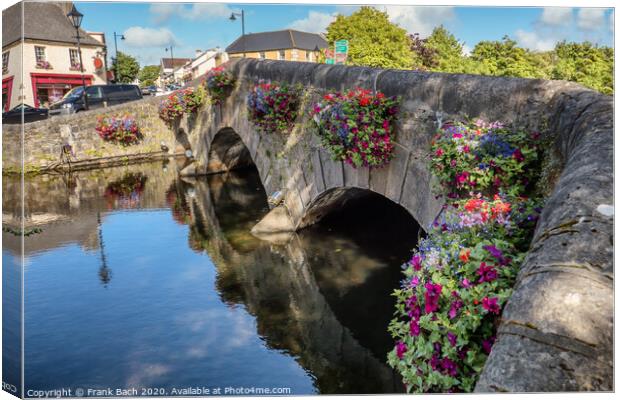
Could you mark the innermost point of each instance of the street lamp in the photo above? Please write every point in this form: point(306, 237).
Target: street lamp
point(172, 61)
point(116, 53)
point(76, 20)
point(233, 17)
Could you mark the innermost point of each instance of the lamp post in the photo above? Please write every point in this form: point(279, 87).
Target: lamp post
point(76, 20)
point(172, 61)
point(233, 17)
point(116, 53)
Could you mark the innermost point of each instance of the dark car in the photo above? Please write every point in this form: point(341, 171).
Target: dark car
point(14, 116)
point(149, 90)
point(97, 96)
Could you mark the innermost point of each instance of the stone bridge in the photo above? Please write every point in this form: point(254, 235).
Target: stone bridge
point(556, 332)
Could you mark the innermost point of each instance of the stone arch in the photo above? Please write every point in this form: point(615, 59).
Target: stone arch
point(335, 199)
point(227, 152)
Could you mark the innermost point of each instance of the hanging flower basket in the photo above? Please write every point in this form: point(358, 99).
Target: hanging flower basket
point(357, 127)
point(219, 83)
point(273, 107)
point(184, 101)
point(124, 131)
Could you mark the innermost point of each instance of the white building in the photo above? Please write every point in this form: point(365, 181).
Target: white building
point(48, 50)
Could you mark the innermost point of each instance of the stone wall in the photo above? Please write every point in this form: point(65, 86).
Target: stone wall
point(43, 140)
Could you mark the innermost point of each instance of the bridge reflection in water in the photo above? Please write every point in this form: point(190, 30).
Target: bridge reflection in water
point(124, 302)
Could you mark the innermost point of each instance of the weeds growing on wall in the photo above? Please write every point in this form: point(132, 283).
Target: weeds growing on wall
point(184, 101)
point(273, 107)
point(462, 274)
point(357, 127)
point(122, 130)
point(218, 83)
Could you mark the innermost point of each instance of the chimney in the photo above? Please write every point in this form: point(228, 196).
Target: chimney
point(198, 52)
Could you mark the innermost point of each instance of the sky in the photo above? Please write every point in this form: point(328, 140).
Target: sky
point(149, 28)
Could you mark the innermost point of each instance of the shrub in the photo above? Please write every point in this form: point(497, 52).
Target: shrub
point(124, 130)
point(218, 83)
point(357, 127)
point(272, 107)
point(462, 273)
point(184, 101)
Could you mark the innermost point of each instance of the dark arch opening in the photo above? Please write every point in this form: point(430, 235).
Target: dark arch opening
point(228, 153)
point(356, 246)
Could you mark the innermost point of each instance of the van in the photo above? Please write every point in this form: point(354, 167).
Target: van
point(97, 96)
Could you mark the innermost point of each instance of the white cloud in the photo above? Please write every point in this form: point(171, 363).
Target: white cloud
point(466, 50)
point(163, 11)
point(315, 22)
point(556, 16)
point(590, 19)
point(138, 36)
point(534, 41)
point(611, 21)
point(420, 20)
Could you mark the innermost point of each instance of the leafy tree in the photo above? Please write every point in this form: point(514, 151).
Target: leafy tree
point(125, 68)
point(148, 75)
point(505, 58)
point(448, 51)
point(373, 40)
point(586, 64)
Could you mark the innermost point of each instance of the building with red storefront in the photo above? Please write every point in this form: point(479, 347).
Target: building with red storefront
point(39, 67)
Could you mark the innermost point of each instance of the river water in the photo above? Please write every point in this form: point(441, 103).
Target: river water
point(140, 279)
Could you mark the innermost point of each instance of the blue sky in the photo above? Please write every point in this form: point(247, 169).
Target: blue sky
point(150, 27)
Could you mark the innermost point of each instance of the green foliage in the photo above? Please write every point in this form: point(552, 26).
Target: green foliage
point(373, 40)
point(126, 68)
point(585, 63)
point(148, 75)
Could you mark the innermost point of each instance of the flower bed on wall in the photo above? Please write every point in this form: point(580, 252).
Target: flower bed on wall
point(124, 130)
point(462, 273)
point(219, 82)
point(273, 107)
point(357, 127)
point(184, 101)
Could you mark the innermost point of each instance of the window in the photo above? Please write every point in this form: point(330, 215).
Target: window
point(39, 54)
point(261, 55)
point(93, 92)
point(309, 56)
point(5, 62)
point(281, 55)
point(294, 55)
point(74, 59)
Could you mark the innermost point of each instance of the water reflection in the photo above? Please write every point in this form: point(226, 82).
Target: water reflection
point(187, 296)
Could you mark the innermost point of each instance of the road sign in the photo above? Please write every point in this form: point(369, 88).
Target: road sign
point(341, 49)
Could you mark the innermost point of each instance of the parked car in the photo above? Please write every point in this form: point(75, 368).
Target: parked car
point(97, 96)
point(149, 90)
point(14, 116)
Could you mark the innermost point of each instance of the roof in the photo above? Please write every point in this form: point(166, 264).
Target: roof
point(286, 39)
point(178, 62)
point(44, 21)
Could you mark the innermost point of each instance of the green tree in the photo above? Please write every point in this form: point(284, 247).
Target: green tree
point(148, 75)
point(585, 63)
point(373, 40)
point(448, 51)
point(125, 68)
point(505, 58)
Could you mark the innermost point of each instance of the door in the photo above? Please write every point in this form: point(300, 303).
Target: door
point(94, 96)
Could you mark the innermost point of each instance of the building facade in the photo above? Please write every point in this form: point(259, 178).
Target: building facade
point(41, 66)
point(288, 45)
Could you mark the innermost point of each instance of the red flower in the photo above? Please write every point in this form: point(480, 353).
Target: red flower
point(491, 305)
